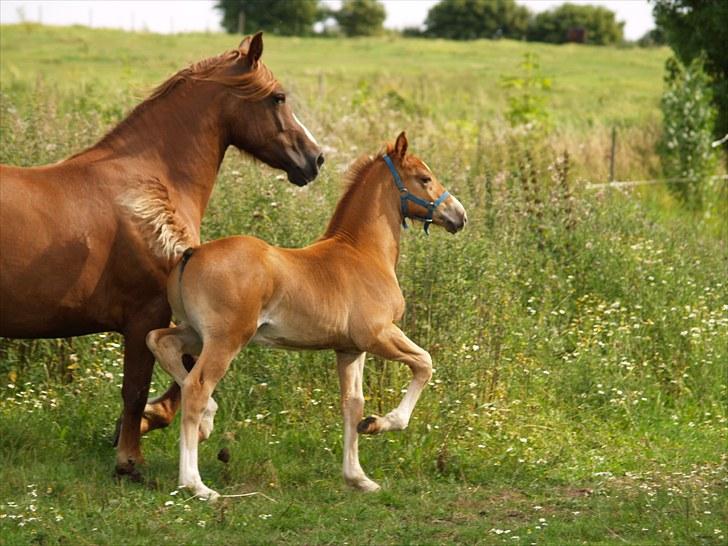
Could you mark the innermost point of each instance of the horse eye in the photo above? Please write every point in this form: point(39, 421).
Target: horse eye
point(279, 98)
point(425, 179)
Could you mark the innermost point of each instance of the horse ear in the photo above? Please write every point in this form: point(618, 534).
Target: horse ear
point(245, 44)
point(255, 48)
point(400, 146)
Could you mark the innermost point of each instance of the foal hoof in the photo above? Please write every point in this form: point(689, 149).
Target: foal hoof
point(363, 484)
point(369, 425)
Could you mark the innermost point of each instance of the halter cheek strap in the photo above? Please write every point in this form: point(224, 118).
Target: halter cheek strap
point(405, 195)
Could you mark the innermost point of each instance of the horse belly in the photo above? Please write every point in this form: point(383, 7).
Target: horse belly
point(50, 266)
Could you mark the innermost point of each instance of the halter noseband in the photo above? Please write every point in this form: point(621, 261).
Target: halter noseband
point(405, 195)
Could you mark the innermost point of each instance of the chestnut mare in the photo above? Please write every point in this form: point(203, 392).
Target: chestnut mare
point(339, 293)
point(86, 244)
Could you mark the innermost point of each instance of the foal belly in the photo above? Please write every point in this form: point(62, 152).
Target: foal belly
point(278, 336)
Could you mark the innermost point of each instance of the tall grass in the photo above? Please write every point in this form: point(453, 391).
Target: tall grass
point(578, 340)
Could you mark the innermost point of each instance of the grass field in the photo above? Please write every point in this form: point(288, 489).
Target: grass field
point(579, 338)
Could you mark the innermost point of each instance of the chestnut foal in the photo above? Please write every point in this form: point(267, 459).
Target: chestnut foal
point(339, 293)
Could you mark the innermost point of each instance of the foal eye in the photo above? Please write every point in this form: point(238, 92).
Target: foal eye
point(279, 98)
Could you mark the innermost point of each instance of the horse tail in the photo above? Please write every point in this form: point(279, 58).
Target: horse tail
point(152, 211)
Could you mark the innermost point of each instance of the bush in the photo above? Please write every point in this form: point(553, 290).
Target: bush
point(687, 156)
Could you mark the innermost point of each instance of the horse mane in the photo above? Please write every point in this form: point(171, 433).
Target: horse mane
point(252, 85)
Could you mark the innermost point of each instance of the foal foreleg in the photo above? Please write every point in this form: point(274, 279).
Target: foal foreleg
point(169, 346)
point(392, 344)
point(351, 369)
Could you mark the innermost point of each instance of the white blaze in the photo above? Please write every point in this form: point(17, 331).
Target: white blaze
point(305, 130)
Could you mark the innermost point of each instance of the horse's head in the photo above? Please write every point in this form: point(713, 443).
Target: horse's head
point(422, 195)
point(261, 121)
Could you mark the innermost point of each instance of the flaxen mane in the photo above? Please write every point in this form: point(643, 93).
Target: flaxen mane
point(152, 212)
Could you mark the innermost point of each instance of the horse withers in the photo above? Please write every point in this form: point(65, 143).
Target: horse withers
point(339, 293)
point(87, 244)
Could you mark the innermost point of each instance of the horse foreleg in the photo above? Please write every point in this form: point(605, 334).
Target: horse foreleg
point(138, 365)
point(351, 369)
point(392, 344)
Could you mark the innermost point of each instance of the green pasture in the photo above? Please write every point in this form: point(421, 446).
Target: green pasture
point(578, 336)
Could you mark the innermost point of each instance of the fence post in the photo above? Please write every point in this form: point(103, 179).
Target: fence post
point(241, 22)
point(611, 155)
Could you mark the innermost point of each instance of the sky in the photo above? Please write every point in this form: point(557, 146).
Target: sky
point(166, 16)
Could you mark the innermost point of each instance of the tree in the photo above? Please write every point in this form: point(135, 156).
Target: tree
point(285, 17)
point(360, 17)
point(652, 38)
point(699, 27)
point(599, 23)
point(473, 19)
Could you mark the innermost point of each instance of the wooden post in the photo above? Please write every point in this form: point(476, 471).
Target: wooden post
point(611, 155)
point(241, 22)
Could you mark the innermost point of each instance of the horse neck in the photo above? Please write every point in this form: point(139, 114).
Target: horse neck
point(368, 216)
point(178, 135)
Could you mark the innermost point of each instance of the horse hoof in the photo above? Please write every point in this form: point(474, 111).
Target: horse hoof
point(129, 470)
point(368, 425)
point(224, 455)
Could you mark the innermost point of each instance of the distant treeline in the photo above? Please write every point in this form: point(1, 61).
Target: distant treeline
point(450, 19)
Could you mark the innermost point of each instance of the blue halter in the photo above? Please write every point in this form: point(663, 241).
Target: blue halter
point(405, 195)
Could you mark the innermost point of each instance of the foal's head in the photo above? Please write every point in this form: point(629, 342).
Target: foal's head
point(422, 195)
point(258, 118)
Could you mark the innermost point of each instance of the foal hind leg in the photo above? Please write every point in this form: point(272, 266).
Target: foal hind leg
point(351, 368)
point(196, 391)
point(170, 346)
point(392, 344)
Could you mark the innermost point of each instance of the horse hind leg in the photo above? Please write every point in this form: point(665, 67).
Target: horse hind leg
point(159, 412)
point(138, 365)
point(173, 348)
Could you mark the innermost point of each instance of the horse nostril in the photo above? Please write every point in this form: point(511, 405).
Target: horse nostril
point(320, 160)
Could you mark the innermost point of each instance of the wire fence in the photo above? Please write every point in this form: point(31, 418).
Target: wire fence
point(631, 183)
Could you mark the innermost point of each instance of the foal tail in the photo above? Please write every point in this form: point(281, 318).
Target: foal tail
point(151, 209)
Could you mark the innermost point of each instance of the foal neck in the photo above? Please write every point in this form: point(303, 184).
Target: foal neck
point(368, 215)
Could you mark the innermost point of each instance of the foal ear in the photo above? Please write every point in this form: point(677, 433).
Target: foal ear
point(400, 146)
